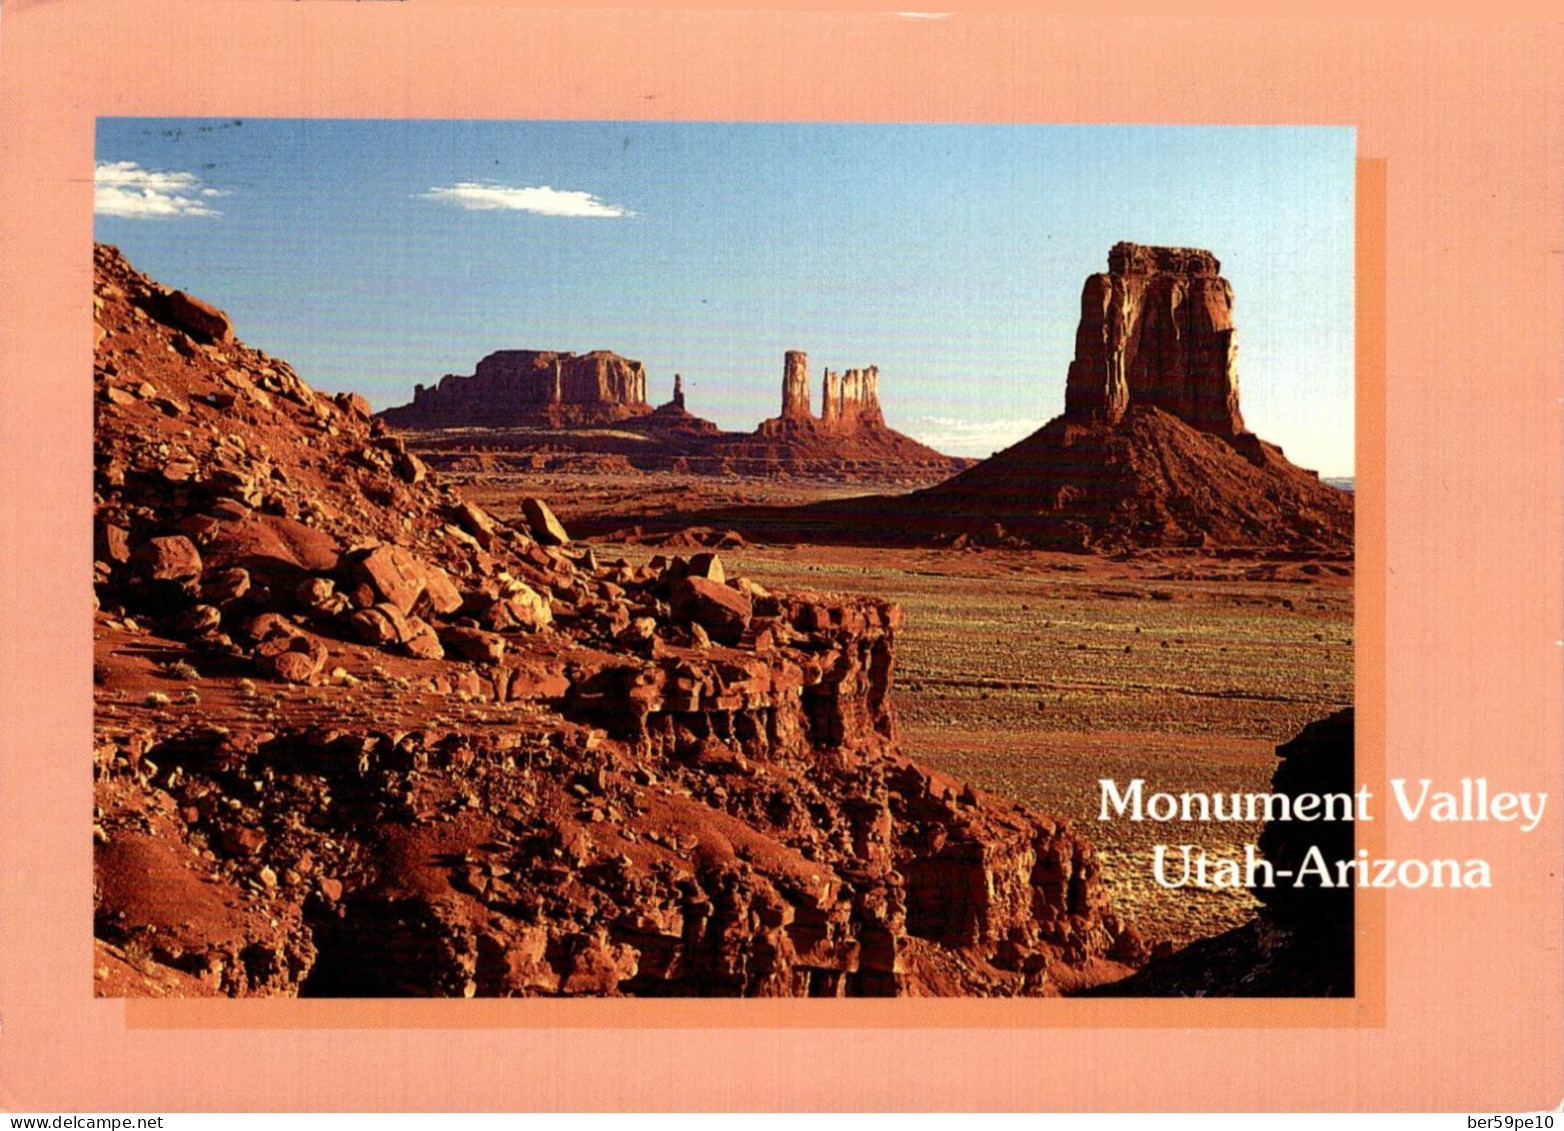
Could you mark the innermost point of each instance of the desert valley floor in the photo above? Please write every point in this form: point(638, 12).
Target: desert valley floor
point(1034, 674)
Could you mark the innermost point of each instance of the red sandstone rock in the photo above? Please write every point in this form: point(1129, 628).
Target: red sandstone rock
point(1157, 330)
point(851, 400)
point(476, 521)
point(1150, 480)
point(850, 442)
point(1149, 452)
point(285, 652)
point(474, 644)
point(721, 611)
point(443, 595)
point(850, 432)
point(541, 521)
point(198, 619)
point(381, 624)
point(226, 585)
point(394, 574)
point(527, 606)
point(422, 643)
point(114, 544)
point(411, 468)
point(795, 385)
point(355, 403)
point(512, 386)
point(295, 666)
point(200, 320)
point(267, 544)
point(171, 558)
point(707, 565)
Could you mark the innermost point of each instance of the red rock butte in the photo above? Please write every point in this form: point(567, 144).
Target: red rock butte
point(1157, 330)
point(849, 432)
point(528, 400)
point(1151, 450)
point(531, 386)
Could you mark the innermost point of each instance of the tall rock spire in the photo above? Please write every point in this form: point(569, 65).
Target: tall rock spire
point(1157, 329)
point(795, 385)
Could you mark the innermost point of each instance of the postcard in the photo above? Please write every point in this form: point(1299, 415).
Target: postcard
point(617, 538)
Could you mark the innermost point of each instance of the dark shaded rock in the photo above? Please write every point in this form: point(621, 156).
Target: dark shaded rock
point(707, 565)
point(541, 521)
point(1319, 759)
point(356, 403)
point(170, 558)
point(1302, 944)
point(474, 644)
point(201, 320)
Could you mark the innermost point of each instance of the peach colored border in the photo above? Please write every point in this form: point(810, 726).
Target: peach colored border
point(1460, 116)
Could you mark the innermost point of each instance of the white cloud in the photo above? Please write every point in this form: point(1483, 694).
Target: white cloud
point(125, 189)
point(972, 437)
point(475, 196)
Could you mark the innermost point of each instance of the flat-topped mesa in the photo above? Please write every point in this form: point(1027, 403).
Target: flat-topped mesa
point(1157, 329)
point(1127, 258)
point(518, 386)
point(795, 386)
point(851, 400)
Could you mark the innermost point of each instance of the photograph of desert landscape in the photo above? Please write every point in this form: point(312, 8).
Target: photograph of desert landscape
point(549, 559)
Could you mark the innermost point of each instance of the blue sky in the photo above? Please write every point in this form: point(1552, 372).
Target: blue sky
point(373, 255)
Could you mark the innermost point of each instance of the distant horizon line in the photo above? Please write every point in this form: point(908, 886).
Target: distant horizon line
point(922, 435)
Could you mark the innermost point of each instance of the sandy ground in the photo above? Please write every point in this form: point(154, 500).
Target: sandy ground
point(1035, 674)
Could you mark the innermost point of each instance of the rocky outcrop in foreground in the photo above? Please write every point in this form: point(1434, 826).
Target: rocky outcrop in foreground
point(355, 736)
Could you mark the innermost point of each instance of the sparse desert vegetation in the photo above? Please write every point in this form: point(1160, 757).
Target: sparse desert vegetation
point(1034, 675)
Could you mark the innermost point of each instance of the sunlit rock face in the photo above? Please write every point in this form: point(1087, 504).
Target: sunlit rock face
point(1157, 330)
point(526, 386)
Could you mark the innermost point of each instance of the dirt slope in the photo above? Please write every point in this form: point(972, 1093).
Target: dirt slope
point(1150, 480)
